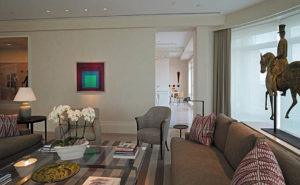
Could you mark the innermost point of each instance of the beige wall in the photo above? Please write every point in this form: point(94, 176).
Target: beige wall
point(204, 68)
point(56, 45)
point(129, 72)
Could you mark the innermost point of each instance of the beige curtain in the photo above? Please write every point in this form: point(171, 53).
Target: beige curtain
point(221, 86)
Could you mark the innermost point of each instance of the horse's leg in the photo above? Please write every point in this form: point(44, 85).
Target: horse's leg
point(266, 104)
point(294, 94)
point(271, 100)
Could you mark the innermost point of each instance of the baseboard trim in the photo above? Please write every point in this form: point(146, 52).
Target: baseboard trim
point(122, 127)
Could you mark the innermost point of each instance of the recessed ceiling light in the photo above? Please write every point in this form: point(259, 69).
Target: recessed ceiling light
point(85, 9)
point(105, 9)
point(66, 10)
point(48, 11)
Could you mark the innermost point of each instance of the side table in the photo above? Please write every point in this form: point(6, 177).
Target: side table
point(180, 127)
point(32, 120)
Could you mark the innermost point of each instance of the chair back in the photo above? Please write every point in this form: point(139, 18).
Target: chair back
point(156, 115)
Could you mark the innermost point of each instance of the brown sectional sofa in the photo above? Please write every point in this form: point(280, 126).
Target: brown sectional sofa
point(196, 164)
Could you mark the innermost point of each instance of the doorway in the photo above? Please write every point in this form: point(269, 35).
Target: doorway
point(13, 69)
point(174, 73)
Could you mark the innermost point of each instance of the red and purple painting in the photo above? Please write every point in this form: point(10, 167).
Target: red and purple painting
point(90, 76)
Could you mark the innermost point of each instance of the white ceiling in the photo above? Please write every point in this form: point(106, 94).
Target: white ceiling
point(37, 9)
point(172, 44)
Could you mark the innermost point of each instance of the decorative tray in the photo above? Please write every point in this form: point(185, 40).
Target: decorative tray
point(55, 172)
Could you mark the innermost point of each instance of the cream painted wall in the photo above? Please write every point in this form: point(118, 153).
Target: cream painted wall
point(162, 74)
point(177, 65)
point(129, 73)
point(56, 45)
point(204, 68)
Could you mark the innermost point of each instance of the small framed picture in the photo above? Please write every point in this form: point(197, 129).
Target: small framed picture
point(90, 76)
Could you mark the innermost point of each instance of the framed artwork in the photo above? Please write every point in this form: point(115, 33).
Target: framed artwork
point(90, 76)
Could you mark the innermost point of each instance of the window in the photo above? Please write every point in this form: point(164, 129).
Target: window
point(248, 84)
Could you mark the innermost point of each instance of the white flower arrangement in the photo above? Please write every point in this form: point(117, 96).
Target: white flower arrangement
point(88, 114)
point(58, 113)
point(63, 112)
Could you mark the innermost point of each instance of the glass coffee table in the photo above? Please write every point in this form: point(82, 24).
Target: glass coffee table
point(97, 161)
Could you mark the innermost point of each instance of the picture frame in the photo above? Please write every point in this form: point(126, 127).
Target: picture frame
point(90, 76)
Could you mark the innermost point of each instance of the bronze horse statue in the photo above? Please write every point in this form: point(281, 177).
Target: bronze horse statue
point(288, 79)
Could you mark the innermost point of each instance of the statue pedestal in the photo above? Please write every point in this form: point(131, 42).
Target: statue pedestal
point(292, 140)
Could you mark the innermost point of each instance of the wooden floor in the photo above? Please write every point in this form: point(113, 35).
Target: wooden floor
point(155, 170)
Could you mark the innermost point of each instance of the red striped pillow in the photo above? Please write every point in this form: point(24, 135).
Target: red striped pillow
point(2, 126)
point(203, 128)
point(10, 122)
point(259, 167)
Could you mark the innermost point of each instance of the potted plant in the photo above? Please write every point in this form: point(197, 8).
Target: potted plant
point(72, 147)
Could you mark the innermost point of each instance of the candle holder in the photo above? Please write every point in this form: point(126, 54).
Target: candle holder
point(25, 167)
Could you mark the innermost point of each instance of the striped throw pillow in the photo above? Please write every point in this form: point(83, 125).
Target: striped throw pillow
point(2, 126)
point(203, 128)
point(10, 122)
point(259, 167)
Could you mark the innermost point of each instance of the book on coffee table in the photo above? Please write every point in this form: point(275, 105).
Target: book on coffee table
point(126, 147)
point(126, 155)
point(94, 180)
point(5, 178)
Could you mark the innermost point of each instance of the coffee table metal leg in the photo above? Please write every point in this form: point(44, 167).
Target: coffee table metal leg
point(45, 131)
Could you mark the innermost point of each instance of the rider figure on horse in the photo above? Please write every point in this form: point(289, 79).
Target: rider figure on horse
point(280, 62)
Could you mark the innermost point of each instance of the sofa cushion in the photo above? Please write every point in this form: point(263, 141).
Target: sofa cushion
point(202, 129)
point(15, 144)
point(192, 163)
point(288, 162)
point(240, 140)
point(259, 167)
point(149, 135)
point(222, 124)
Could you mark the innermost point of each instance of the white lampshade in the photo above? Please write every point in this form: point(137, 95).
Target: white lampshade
point(25, 94)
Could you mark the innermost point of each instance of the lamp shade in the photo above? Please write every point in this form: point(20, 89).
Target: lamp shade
point(25, 94)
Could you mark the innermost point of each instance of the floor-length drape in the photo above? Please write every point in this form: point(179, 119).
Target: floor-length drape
point(221, 81)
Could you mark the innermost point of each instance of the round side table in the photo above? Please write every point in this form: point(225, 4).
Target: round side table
point(180, 127)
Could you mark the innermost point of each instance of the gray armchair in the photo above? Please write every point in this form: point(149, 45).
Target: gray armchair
point(92, 132)
point(153, 127)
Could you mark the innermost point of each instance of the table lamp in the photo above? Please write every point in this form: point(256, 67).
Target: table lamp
point(24, 95)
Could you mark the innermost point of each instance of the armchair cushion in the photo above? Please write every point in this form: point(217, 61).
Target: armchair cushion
point(149, 135)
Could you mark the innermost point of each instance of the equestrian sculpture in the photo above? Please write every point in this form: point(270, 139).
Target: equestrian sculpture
point(280, 75)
